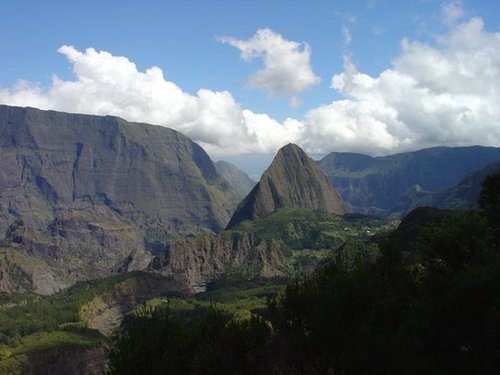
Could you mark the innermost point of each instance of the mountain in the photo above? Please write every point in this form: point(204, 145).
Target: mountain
point(376, 184)
point(236, 178)
point(84, 196)
point(463, 195)
point(293, 180)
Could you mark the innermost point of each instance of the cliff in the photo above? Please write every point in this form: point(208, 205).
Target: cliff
point(91, 195)
point(293, 180)
point(201, 259)
point(377, 185)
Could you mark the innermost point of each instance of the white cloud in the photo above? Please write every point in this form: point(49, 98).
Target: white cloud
point(112, 85)
point(445, 95)
point(287, 64)
point(453, 12)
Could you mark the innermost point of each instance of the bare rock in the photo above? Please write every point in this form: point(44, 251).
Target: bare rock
point(293, 180)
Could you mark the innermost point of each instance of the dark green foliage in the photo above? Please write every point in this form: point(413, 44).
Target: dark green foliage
point(152, 343)
point(156, 342)
point(300, 230)
point(228, 288)
point(489, 198)
point(429, 304)
point(33, 313)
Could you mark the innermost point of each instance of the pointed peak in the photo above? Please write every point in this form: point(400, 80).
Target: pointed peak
point(293, 180)
point(291, 147)
point(290, 154)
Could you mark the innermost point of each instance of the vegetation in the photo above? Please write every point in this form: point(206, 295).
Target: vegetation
point(22, 315)
point(30, 323)
point(156, 342)
point(429, 304)
point(421, 299)
point(308, 237)
point(227, 295)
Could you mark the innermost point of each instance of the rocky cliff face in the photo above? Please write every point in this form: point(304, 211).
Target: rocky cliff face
point(238, 179)
point(106, 311)
point(201, 259)
point(465, 194)
point(462, 196)
point(376, 185)
point(293, 180)
point(88, 195)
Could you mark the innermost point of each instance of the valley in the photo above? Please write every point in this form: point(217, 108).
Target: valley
point(86, 316)
point(105, 224)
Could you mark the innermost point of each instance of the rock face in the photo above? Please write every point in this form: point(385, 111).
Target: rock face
point(201, 259)
point(106, 311)
point(376, 185)
point(90, 195)
point(463, 195)
point(238, 179)
point(293, 180)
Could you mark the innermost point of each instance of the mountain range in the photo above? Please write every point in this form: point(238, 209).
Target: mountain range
point(236, 178)
point(463, 195)
point(95, 197)
point(84, 197)
point(376, 185)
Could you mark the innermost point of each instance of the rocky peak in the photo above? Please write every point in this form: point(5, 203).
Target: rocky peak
point(293, 180)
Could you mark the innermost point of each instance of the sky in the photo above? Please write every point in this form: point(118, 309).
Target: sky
point(244, 77)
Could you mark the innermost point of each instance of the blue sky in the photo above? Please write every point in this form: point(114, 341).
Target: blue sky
point(181, 38)
point(335, 77)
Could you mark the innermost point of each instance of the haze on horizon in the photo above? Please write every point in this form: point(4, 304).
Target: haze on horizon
point(348, 78)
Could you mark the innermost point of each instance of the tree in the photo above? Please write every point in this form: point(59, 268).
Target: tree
point(489, 198)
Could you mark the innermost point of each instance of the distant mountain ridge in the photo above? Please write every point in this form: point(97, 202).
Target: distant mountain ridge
point(376, 184)
point(293, 180)
point(84, 196)
point(88, 196)
point(462, 196)
point(238, 179)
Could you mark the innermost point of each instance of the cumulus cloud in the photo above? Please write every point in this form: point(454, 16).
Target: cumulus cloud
point(287, 64)
point(443, 94)
point(105, 84)
point(452, 12)
point(433, 95)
